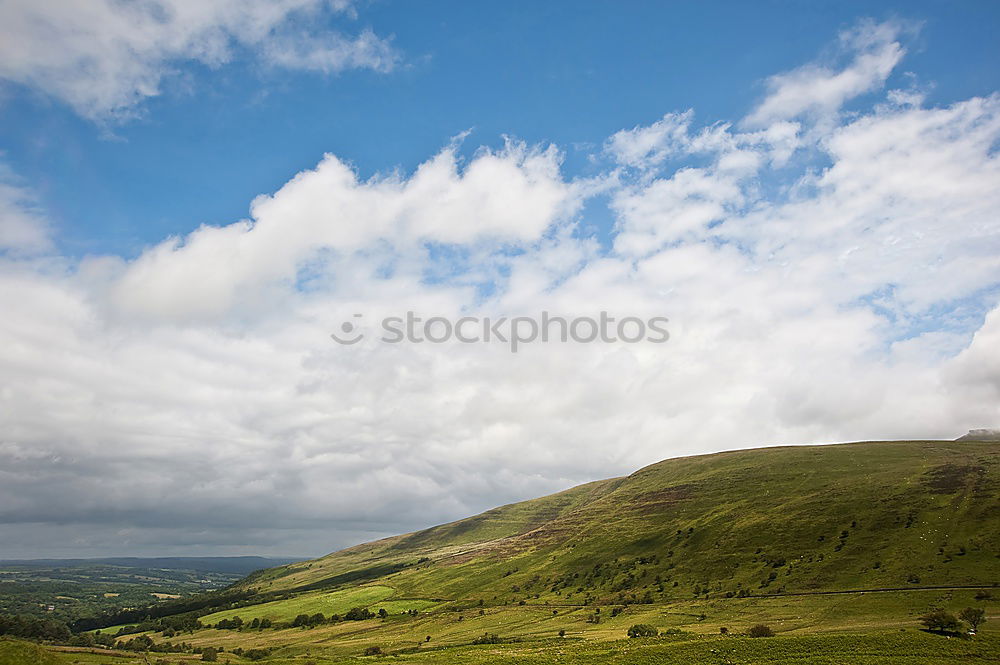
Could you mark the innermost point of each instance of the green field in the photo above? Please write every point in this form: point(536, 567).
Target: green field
point(336, 602)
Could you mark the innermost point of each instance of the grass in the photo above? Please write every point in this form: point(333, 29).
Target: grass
point(18, 652)
point(907, 648)
point(336, 602)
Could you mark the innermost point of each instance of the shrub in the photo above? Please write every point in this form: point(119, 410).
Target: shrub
point(372, 651)
point(210, 655)
point(760, 630)
point(642, 630)
point(487, 638)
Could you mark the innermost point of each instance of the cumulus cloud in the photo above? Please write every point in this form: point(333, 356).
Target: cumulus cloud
point(508, 197)
point(103, 58)
point(192, 394)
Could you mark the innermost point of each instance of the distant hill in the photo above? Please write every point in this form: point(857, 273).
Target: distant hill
point(238, 565)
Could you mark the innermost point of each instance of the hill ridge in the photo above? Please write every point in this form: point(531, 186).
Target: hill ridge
point(629, 515)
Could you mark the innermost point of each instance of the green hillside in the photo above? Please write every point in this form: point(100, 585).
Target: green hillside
point(855, 538)
point(772, 520)
point(19, 652)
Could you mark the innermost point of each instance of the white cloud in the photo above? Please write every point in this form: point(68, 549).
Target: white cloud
point(651, 144)
point(508, 197)
point(23, 227)
point(820, 90)
point(196, 384)
point(103, 58)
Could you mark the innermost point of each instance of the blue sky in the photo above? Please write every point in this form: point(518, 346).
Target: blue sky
point(195, 194)
point(564, 72)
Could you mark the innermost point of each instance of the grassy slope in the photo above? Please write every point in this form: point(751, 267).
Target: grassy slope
point(816, 519)
point(852, 516)
point(18, 652)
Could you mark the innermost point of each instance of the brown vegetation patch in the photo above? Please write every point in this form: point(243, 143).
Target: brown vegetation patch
point(950, 478)
point(664, 499)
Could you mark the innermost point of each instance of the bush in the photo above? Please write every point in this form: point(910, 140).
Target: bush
point(642, 630)
point(209, 655)
point(372, 651)
point(487, 638)
point(760, 630)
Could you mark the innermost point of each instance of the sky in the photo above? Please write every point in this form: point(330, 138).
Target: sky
point(195, 195)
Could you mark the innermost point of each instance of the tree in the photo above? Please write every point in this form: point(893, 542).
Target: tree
point(641, 630)
point(382, 613)
point(974, 616)
point(358, 614)
point(760, 630)
point(940, 621)
point(209, 655)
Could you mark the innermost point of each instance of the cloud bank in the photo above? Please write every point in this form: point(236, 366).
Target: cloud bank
point(104, 57)
point(828, 277)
